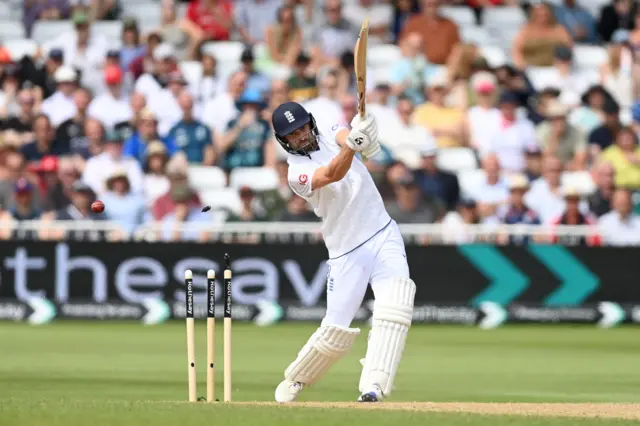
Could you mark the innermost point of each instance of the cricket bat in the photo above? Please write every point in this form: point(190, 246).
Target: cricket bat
point(360, 59)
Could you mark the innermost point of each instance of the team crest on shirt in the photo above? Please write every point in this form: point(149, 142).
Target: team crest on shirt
point(335, 126)
point(303, 179)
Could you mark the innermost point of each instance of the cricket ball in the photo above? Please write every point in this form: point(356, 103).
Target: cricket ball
point(97, 206)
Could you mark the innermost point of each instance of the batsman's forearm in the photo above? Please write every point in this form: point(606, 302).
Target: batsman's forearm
point(341, 163)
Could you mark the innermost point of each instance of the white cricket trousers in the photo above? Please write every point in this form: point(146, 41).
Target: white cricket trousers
point(375, 262)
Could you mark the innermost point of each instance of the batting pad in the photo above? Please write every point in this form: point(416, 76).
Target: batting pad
point(324, 348)
point(392, 315)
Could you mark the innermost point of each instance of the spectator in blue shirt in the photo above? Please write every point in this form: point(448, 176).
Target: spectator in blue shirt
point(246, 142)
point(191, 135)
point(121, 205)
point(44, 143)
point(577, 21)
point(146, 132)
point(516, 211)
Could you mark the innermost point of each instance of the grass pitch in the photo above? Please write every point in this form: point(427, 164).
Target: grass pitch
point(101, 374)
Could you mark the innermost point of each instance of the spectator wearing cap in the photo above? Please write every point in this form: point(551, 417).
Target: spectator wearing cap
point(147, 131)
point(575, 213)
point(99, 168)
point(407, 74)
point(410, 205)
point(618, 14)
point(71, 133)
point(621, 226)
point(177, 169)
point(605, 135)
point(248, 141)
point(590, 113)
point(535, 43)
point(122, 206)
point(563, 76)
point(172, 31)
point(580, 24)
point(435, 182)
point(560, 139)
point(132, 46)
point(164, 103)
point(210, 83)
point(533, 162)
point(441, 33)
point(516, 210)
point(491, 190)
point(221, 109)
point(334, 37)
point(600, 200)
point(192, 136)
point(112, 106)
point(164, 62)
point(60, 106)
point(156, 182)
point(56, 177)
point(252, 18)
point(303, 86)
point(209, 20)
point(22, 122)
point(25, 207)
point(483, 119)
point(624, 156)
point(283, 39)
point(445, 123)
point(515, 134)
point(44, 141)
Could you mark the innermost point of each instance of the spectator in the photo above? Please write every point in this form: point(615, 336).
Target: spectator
point(112, 106)
point(210, 84)
point(483, 119)
point(490, 192)
point(533, 163)
point(209, 20)
point(403, 138)
point(164, 103)
point(247, 142)
point(174, 33)
point(132, 46)
point(410, 206)
point(91, 143)
point(164, 63)
point(156, 182)
point(624, 156)
point(621, 226)
point(221, 109)
point(434, 182)
point(580, 24)
point(22, 122)
point(575, 213)
point(603, 176)
point(146, 132)
point(283, 39)
point(99, 168)
point(565, 77)
point(409, 72)
point(456, 223)
point(145, 64)
point(441, 33)
point(560, 139)
point(191, 136)
point(326, 108)
point(590, 114)
point(122, 206)
point(402, 11)
point(48, 10)
point(615, 74)
point(256, 80)
point(249, 211)
point(605, 135)
point(58, 177)
point(60, 106)
point(71, 133)
point(9, 90)
point(445, 123)
point(617, 15)
point(178, 225)
point(278, 95)
point(536, 42)
point(349, 107)
point(380, 15)
point(297, 211)
point(177, 169)
point(44, 76)
point(516, 210)
point(44, 142)
point(514, 137)
point(333, 38)
point(253, 18)
point(537, 108)
point(127, 128)
point(275, 201)
point(25, 207)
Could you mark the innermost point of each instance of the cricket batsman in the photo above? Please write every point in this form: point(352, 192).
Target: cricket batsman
point(365, 247)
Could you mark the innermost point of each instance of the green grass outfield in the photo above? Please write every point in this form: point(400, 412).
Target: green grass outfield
point(99, 374)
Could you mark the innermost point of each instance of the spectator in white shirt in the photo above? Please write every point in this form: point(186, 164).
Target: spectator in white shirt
point(111, 107)
point(61, 106)
point(621, 226)
point(165, 106)
point(515, 135)
point(483, 119)
point(164, 62)
point(221, 109)
point(379, 13)
point(99, 168)
point(333, 38)
point(156, 182)
point(492, 191)
point(210, 83)
point(326, 107)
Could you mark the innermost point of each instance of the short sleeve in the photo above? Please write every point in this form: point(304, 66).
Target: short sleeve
point(300, 177)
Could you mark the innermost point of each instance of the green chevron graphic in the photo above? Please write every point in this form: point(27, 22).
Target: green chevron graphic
point(507, 282)
point(578, 282)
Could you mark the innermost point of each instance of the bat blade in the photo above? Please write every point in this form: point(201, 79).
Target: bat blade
point(360, 56)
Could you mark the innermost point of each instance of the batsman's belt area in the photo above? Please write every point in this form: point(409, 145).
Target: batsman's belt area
point(581, 410)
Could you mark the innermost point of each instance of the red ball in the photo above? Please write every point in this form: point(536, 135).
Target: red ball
point(97, 206)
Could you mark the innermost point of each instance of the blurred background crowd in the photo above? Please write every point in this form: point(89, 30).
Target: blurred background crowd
point(490, 111)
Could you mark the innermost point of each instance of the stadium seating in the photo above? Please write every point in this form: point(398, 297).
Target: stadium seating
point(256, 178)
point(206, 177)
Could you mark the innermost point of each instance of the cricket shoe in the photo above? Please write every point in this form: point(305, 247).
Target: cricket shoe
point(287, 391)
point(374, 395)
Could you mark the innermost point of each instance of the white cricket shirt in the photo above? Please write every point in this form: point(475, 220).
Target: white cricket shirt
point(351, 209)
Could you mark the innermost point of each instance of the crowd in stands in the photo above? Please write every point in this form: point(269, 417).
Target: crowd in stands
point(490, 111)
